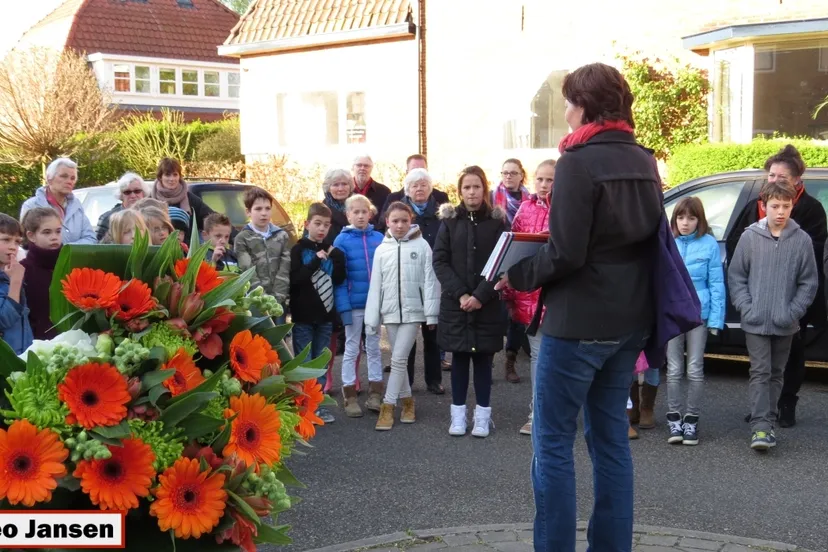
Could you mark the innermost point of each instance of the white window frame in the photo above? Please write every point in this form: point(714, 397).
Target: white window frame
point(177, 81)
point(198, 82)
point(134, 79)
point(131, 78)
point(229, 85)
point(205, 84)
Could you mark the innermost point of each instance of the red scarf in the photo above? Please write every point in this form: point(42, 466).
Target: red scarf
point(53, 201)
point(589, 130)
point(364, 190)
point(800, 189)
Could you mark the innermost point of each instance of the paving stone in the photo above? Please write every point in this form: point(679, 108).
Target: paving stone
point(470, 548)
point(656, 548)
point(498, 536)
point(700, 544)
point(526, 535)
point(460, 540)
point(513, 546)
point(428, 546)
point(386, 549)
point(730, 547)
point(658, 540)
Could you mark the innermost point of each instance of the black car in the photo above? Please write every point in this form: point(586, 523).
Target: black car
point(724, 197)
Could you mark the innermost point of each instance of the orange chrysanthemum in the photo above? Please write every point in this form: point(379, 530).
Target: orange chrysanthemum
point(134, 300)
point(117, 482)
point(249, 355)
point(207, 278)
point(308, 402)
point(96, 395)
point(187, 375)
point(90, 289)
point(30, 462)
point(189, 501)
point(254, 435)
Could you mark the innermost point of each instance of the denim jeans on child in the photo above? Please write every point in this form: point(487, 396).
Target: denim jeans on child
point(768, 357)
point(595, 375)
point(695, 341)
point(353, 336)
point(401, 337)
point(318, 335)
point(534, 348)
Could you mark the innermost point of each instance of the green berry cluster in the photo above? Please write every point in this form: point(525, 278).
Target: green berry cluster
point(129, 355)
point(265, 304)
point(265, 484)
point(84, 447)
point(64, 357)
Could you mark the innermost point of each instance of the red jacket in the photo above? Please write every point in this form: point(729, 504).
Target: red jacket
point(532, 217)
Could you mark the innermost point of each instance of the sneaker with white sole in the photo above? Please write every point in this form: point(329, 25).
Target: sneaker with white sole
point(527, 428)
point(458, 420)
point(325, 415)
point(690, 427)
point(675, 426)
point(760, 440)
point(482, 421)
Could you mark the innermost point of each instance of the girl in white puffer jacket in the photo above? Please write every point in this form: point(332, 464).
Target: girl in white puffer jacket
point(404, 294)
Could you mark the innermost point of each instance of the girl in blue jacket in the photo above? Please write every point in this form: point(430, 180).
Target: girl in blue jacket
point(358, 241)
point(702, 256)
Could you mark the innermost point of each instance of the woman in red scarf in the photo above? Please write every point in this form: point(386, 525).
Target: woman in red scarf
point(595, 275)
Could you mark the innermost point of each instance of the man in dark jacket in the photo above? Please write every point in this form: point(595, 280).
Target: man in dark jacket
point(787, 167)
point(367, 186)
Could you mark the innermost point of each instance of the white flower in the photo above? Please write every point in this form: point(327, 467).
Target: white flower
point(14, 376)
point(82, 341)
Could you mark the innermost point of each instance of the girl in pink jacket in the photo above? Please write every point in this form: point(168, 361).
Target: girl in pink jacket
point(532, 217)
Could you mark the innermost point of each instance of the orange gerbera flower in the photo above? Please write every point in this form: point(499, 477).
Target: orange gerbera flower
point(249, 354)
point(308, 402)
point(187, 376)
point(30, 461)
point(207, 278)
point(189, 501)
point(96, 395)
point(134, 300)
point(90, 289)
point(254, 435)
point(117, 482)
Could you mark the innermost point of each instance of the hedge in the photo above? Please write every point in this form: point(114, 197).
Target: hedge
point(696, 160)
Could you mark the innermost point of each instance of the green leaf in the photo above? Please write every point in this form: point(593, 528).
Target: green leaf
point(106, 440)
point(188, 281)
point(223, 438)
point(302, 373)
point(173, 414)
point(168, 253)
point(297, 360)
point(198, 425)
point(231, 287)
point(276, 334)
point(273, 535)
point(120, 431)
point(158, 354)
point(194, 241)
point(270, 386)
point(156, 392)
point(329, 401)
point(244, 508)
point(285, 476)
point(9, 362)
point(157, 377)
point(137, 256)
point(205, 386)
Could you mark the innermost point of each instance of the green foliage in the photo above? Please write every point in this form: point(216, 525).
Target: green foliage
point(144, 140)
point(238, 6)
point(17, 184)
point(695, 160)
point(223, 144)
point(670, 107)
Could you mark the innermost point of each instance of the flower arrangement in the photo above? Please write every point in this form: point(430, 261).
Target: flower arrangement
point(169, 395)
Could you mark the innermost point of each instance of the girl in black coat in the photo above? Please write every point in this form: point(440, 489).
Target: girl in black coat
point(472, 322)
point(43, 235)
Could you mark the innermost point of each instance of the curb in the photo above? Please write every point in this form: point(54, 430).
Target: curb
point(402, 537)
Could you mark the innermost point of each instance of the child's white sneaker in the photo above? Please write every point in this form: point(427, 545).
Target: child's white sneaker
point(458, 420)
point(482, 421)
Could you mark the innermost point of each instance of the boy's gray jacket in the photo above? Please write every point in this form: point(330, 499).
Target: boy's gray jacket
point(270, 256)
point(773, 282)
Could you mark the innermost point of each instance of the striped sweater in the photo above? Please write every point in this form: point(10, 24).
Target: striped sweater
point(773, 282)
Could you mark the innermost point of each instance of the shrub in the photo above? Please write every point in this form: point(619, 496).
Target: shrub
point(16, 186)
point(220, 143)
point(695, 160)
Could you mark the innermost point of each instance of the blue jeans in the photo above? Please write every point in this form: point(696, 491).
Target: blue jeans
point(595, 375)
point(318, 335)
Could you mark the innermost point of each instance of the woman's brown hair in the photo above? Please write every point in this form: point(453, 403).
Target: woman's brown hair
point(478, 172)
point(790, 157)
point(520, 167)
point(693, 207)
point(169, 166)
point(601, 91)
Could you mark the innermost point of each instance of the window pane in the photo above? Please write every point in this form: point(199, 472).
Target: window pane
point(189, 76)
point(211, 77)
point(788, 86)
point(548, 125)
point(142, 79)
point(719, 201)
point(355, 131)
point(212, 90)
point(233, 79)
point(121, 78)
point(142, 72)
point(309, 119)
point(167, 81)
point(818, 189)
point(142, 86)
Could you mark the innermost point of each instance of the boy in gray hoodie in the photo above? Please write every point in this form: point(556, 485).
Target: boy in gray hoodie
point(773, 280)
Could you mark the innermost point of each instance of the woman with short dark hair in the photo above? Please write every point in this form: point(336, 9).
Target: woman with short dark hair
point(595, 272)
point(171, 188)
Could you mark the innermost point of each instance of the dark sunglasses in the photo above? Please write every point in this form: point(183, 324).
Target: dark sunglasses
point(132, 192)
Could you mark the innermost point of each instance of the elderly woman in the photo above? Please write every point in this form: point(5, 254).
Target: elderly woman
point(595, 275)
point(171, 188)
point(337, 186)
point(131, 189)
point(61, 176)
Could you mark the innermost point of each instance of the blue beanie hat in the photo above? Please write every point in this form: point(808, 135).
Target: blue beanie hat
point(180, 219)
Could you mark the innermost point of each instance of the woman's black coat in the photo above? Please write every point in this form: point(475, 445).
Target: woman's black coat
point(464, 242)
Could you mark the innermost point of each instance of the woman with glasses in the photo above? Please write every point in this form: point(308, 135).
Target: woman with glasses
point(131, 189)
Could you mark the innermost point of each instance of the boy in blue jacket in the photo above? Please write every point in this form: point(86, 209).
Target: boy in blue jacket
point(358, 241)
point(14, 314)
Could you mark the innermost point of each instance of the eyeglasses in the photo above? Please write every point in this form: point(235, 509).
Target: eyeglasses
point(362, 166)
point(509, 173)
point(132, 192)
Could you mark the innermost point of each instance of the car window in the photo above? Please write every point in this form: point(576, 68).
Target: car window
point(818, 188)
point(97, 202)
point(718, 199)
point(231, 203)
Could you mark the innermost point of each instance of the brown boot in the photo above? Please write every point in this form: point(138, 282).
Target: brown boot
point(376, 390)
point(407, 416)
point(648, 398)
point(632, 433)
point(635, 396)
point(511, 374)
point(350, 403)
point(386, 418)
